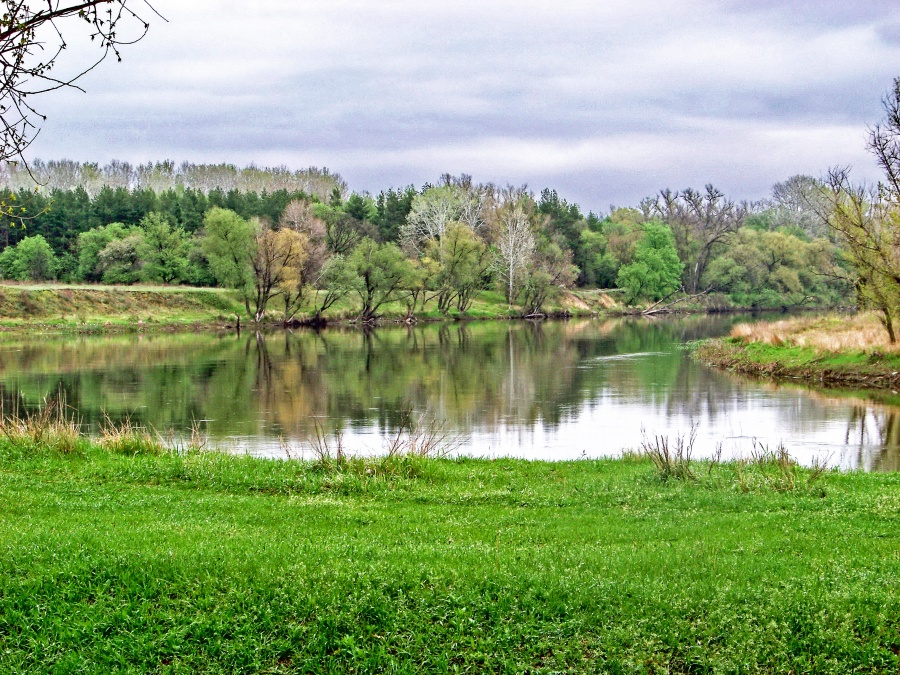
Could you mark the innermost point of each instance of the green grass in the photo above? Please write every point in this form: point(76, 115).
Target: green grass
point(96, 307)
point(204, 562)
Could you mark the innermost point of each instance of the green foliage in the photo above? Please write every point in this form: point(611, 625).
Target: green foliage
point(338, 278)
point(568, 225)
point(656, 270)
point(608, 245)
point(120, 262)
point(229, 245)
point(78, 226)
point(360, 207)
point(91, 243)
point(381, 272)
point(31, 259)
point(61, 215)
point(392, 209)
point(550, 270)
point(164, 250)
point(761, 268)
point(342, 231)
point(702, 223)
point(455, 266)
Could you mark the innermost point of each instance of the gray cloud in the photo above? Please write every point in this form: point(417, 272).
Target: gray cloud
point(607, 102)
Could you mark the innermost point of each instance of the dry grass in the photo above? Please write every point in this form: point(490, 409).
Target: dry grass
point(832, 333)
point(53, 426)
point(126, 438)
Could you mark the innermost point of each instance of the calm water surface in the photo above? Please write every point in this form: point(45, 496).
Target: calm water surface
point(556, 390)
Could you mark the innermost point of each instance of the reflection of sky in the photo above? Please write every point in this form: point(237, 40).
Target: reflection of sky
point(743, 415)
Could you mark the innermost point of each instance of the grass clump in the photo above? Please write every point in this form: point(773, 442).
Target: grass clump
point(51, 428)
point(672, 459)
point(404, 454)
point(764, 469)
point(125, 438)
point(782, 472)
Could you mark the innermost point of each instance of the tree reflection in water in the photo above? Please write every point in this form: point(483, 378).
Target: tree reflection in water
point(874, 431)
point(553, 389)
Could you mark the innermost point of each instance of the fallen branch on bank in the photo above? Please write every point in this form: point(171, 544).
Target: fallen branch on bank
point(655, 308)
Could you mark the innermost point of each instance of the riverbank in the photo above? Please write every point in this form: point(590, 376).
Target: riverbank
point(95, 308)
point(832, 350)
point(126, 557)
point(99, 308)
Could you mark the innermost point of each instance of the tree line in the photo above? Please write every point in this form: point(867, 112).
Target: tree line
point(293, 253)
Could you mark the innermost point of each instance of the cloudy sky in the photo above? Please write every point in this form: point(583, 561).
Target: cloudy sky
point(606, 100)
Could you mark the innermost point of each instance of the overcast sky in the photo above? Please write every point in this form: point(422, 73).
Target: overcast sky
point(606, 100)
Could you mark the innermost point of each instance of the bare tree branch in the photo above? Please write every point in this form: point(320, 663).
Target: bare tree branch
point(32, 41)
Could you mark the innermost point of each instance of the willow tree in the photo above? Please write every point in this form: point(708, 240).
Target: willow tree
point(381, 272)
point(867, 222)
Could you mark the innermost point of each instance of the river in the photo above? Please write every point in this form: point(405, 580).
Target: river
point(554, 390)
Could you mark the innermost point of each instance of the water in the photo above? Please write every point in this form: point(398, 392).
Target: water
point(556, 390)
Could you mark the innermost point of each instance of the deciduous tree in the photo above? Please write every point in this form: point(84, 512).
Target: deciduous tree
point(381, 271)
point(90, 244)
point(164, 250)
point(252, 257)
point(31, 259)
point(435, 209)
point(867, 221)
point(549, 271)
point(455, 266)
point(514, 238)
point(656, 269)
point(701, 222)
point(119, 262)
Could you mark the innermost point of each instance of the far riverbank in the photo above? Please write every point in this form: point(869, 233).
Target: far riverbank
point(98, 308)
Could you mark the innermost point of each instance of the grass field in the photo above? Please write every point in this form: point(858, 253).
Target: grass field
point(123, 558)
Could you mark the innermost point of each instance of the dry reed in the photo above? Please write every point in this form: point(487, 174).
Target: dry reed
point(833, 333)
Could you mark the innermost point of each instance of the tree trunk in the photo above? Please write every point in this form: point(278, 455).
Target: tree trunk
point(889, 325)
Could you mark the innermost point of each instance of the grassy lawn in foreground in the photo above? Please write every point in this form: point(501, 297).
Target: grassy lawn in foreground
point(212, 563)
